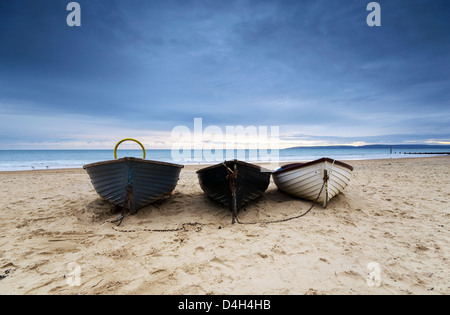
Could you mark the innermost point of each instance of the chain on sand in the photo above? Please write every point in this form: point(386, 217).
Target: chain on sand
point(184, 227)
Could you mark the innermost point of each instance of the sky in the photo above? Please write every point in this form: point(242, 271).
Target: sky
point(139, 69)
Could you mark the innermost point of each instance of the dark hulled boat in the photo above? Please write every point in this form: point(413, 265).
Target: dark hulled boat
point(133, 183)
point(234, 183)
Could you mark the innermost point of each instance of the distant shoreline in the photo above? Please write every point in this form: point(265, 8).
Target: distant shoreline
point(262, 163)
point(375, 146)
point(23, 160)
point(341, 146)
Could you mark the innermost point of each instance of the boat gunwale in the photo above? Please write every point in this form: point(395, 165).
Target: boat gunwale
point(132, 159)
point(295, 166)
point(256, 167)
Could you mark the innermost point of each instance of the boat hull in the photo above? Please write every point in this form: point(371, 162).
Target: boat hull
point(306, 180)
point(251, 182)
point(149, 180)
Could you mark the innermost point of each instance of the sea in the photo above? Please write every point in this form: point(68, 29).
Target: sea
point(23, 160)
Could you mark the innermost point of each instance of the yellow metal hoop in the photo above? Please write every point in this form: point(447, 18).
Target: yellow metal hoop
point(128, 139)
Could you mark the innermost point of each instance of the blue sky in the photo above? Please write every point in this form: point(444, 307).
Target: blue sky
point(140, 68)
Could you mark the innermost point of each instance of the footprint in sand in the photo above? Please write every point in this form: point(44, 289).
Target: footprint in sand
point(199, 249)
point(222, 264)
point(350, 275)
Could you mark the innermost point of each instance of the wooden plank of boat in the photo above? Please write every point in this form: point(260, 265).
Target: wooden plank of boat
point(234, 183)
point(305, 180)
point(149, 180)
point(132, 182)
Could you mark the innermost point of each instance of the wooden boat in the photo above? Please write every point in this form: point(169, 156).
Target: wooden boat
point(133, 183)
point(234, 183)
point(305, 180)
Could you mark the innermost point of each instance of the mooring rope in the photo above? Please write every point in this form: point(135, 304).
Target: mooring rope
point(290, 218)
point(127, 205)
point(232, 176)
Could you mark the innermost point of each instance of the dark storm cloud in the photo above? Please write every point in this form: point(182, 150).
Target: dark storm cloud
point(162, 63)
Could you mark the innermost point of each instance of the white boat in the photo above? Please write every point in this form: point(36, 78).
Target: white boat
point(305, 180)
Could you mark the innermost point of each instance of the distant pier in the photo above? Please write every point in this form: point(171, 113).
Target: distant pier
point(444, 153)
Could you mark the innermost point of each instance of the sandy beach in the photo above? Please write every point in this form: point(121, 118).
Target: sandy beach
point(54, 238)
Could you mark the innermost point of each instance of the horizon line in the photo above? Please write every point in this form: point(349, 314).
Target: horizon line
point(287, 148)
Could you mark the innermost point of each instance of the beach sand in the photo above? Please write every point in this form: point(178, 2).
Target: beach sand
point(394, 214)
